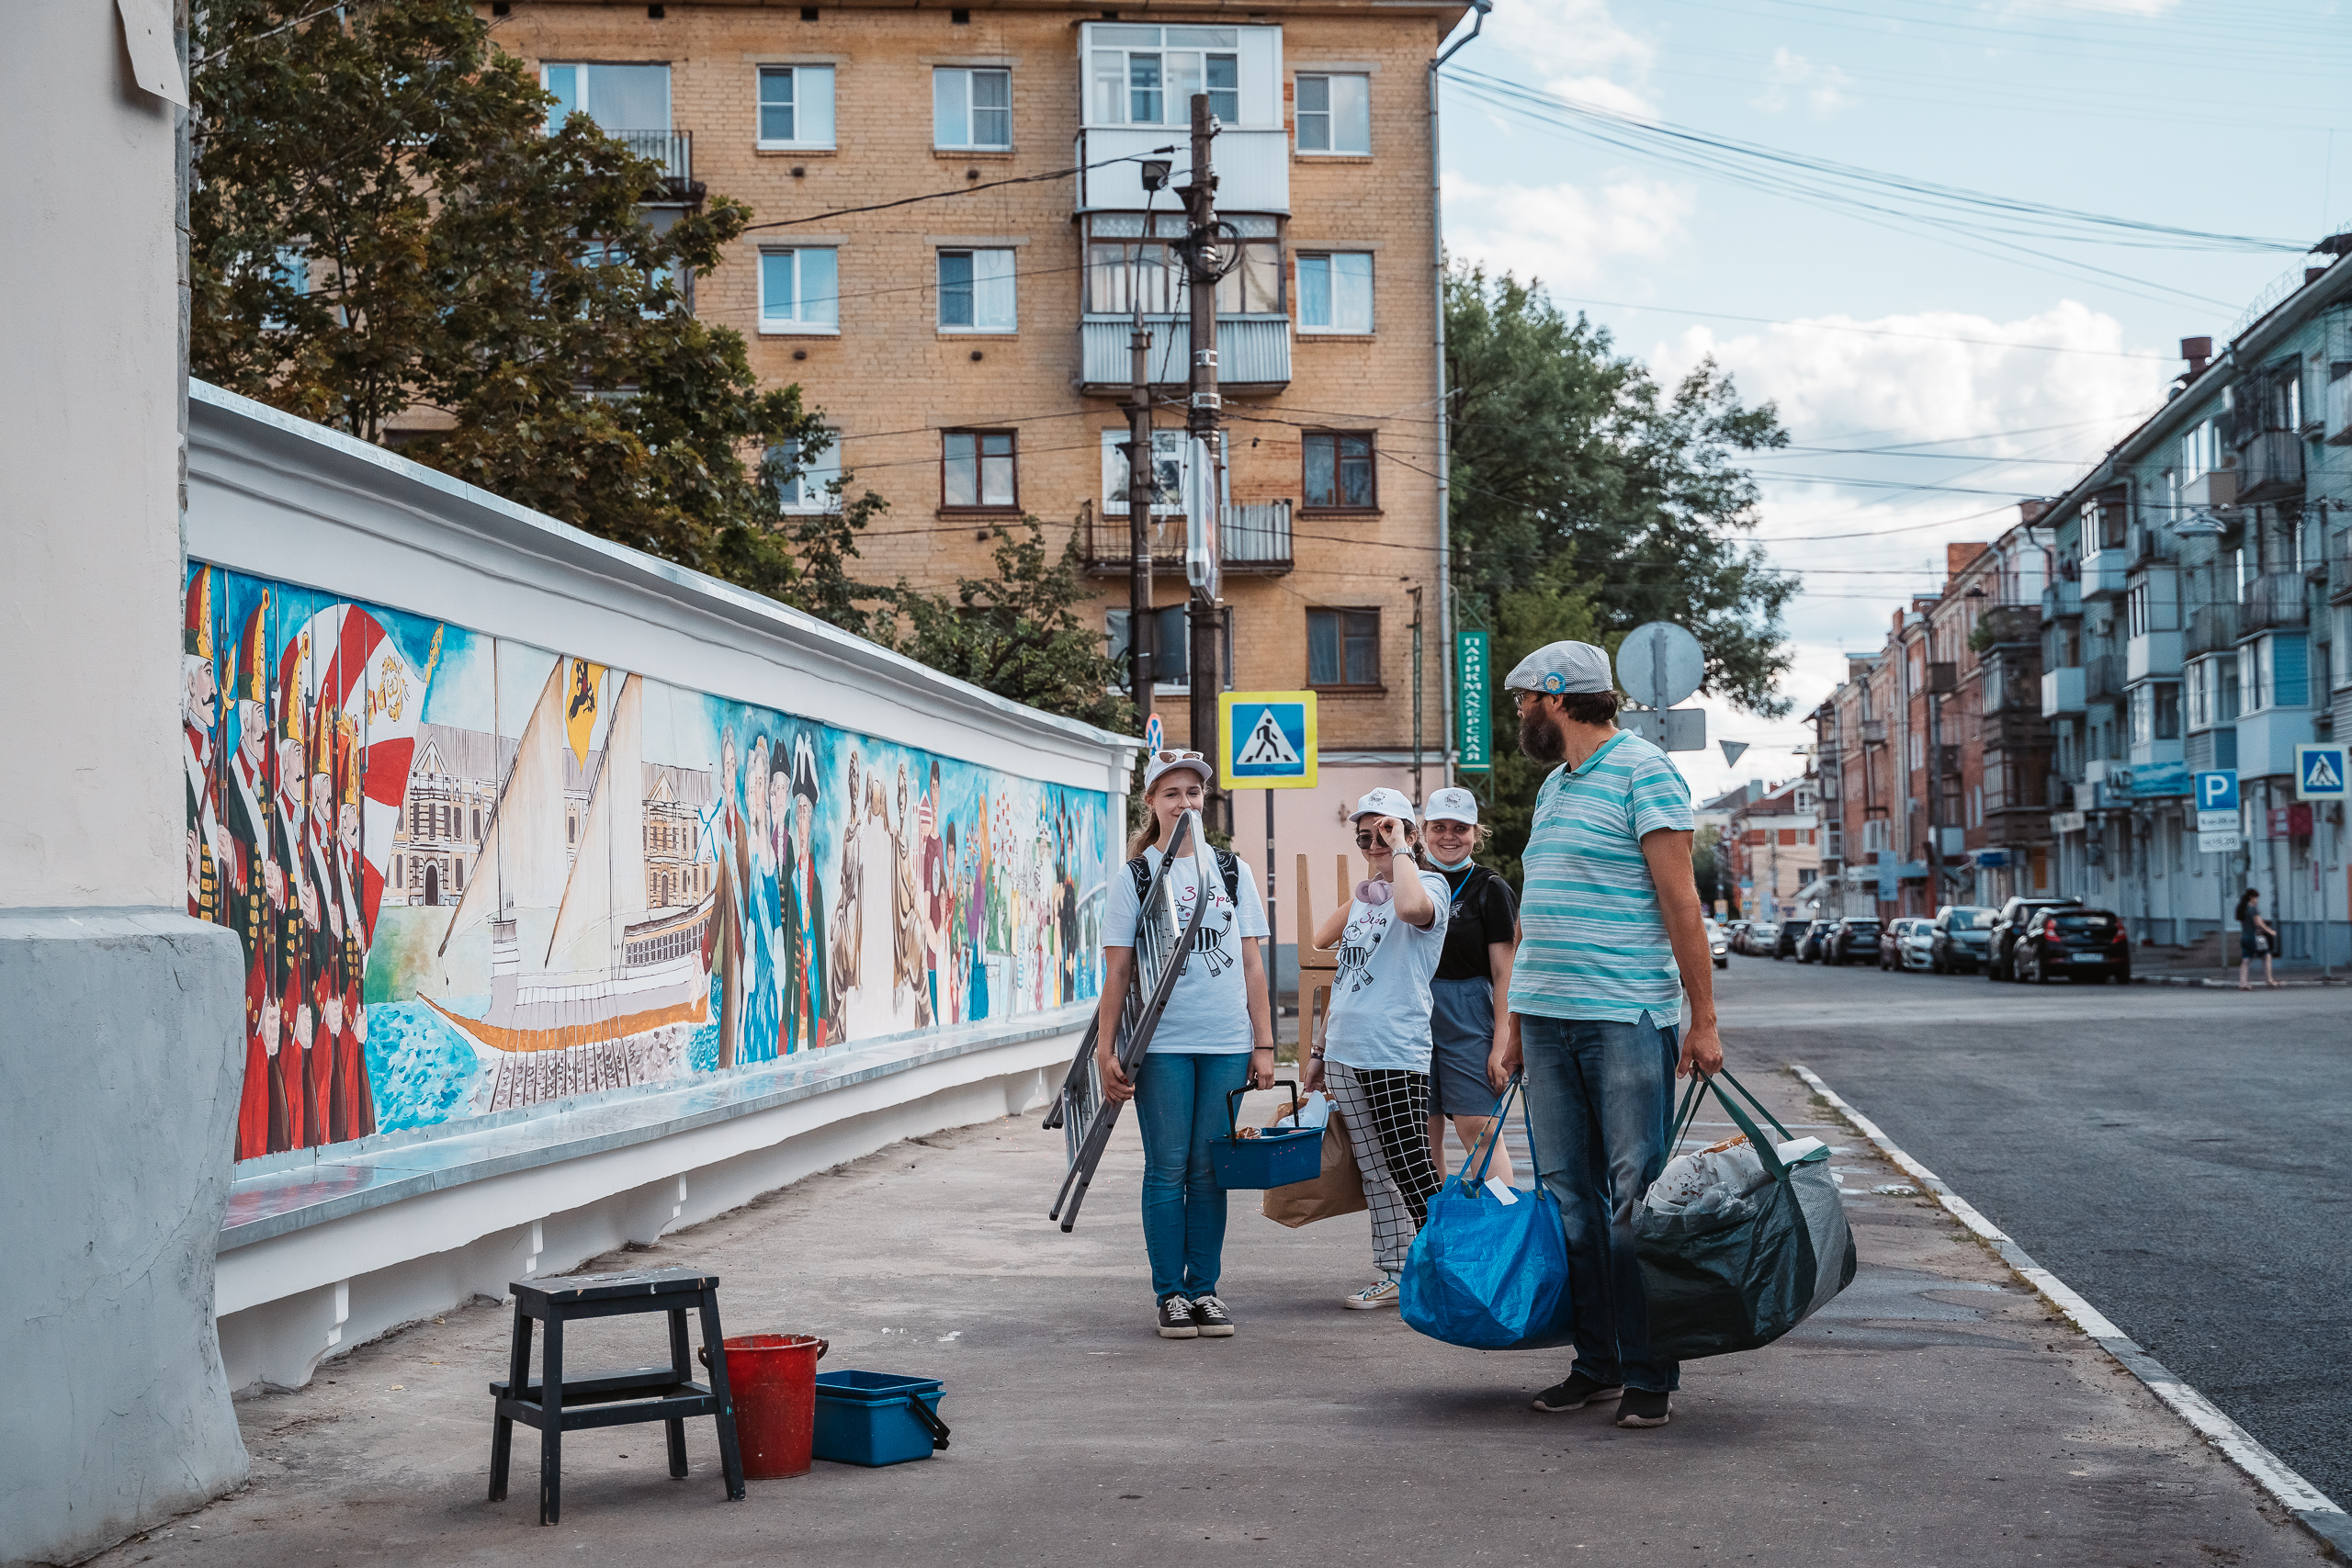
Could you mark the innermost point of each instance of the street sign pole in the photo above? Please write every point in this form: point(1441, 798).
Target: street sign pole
point(1267, 741)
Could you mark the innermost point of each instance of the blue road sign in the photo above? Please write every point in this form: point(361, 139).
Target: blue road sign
point(2320, 772)
point(2218, 791)
point(1266, 740)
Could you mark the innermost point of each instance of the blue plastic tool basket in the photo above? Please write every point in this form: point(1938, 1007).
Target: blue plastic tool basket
point(1276, 1158)
point(878, 1418)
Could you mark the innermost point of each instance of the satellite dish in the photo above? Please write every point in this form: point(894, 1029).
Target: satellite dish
point(1732, 751)
point(1659, 664)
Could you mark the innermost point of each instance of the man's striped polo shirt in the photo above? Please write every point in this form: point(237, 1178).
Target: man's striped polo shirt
point(1593, 941)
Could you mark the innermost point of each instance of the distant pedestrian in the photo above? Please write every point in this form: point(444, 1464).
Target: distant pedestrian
point(1467, 1031)
point(1609, 913)
point(2255, 936)
point(1214, 1036)
point(1374, 1058)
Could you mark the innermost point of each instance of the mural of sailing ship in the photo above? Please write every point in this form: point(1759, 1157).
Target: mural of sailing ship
point(569, 1017)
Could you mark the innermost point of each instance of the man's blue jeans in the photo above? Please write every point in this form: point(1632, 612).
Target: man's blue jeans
point(1600, 1095)
point(1180, 1106)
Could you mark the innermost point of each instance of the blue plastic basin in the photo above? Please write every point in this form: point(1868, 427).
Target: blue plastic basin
point(865, 1417)
point(1271, 1160)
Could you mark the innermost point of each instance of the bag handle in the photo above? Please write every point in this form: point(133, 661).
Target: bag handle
point(1765, 1152)
point(1233, 1108)
point(1495, 1131)
point(931, 1421)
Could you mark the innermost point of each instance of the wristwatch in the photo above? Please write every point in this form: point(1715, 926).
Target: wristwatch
point(1315, 1055)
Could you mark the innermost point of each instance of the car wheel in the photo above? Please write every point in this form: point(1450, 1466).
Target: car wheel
point(2039, 974)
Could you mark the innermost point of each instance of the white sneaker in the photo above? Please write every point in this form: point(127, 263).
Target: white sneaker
point(1379, 1293)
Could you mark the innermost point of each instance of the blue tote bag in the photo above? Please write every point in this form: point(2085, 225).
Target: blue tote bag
point(1487, 1274)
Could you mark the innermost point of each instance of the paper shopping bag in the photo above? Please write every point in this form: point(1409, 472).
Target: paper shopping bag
point(1337, 1189)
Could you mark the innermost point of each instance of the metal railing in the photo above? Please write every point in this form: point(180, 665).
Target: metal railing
point(2273, 599)
point(1254, 538)
point(673, 150)
point(2212, 628)
point(2103, 675)
point(2061, 601)
point(2153, 546)
point(2271, 466)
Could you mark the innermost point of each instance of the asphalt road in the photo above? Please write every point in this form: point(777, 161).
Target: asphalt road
point(2180, 1156)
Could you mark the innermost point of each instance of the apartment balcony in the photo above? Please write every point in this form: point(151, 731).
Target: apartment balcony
point(2063, 602)
point(2104, 676)
point(2339, 561)
point(2153, 546)
point(2212, 628)
point(2339, 412)
point(2004, 624)
point(1873, 732)
point(2152, 654)
point(2104, 574)
point(1253, 540)
point(2274, 599)
point(1253, 353)
point(2062, 691)
point(2270, 468)
point(674, 151)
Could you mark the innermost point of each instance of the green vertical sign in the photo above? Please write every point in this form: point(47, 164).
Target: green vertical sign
point(1474, 696)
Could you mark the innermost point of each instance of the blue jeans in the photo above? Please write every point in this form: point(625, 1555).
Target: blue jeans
point(1180, 1106)
point(1600, 1095)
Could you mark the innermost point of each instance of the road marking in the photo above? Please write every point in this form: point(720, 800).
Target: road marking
point(2314, 1508)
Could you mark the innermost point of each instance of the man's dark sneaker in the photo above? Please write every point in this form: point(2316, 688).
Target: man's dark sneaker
point(1575, 1394)
point(1645, 1407)
point(1176, 1318)
point(1210, 1318)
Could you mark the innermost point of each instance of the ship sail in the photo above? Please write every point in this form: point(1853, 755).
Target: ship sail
point(607, 886)
point(521, 863)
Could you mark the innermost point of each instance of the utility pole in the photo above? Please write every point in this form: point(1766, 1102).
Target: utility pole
point(1140, 472)
point(1205, 264)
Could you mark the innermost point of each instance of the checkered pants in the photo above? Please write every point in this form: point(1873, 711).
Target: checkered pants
point(1387, 1115)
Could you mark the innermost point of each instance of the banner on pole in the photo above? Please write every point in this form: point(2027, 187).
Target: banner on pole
point(1473, 695)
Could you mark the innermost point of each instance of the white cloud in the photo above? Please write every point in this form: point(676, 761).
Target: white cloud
point(1574, 48)
point(1565, 234)
point(1793, 78)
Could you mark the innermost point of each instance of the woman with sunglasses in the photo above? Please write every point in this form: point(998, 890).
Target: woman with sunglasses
point(1214, 1036)
point(1374, 1057)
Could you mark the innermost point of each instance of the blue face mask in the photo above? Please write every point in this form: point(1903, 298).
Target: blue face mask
point(1444, 866)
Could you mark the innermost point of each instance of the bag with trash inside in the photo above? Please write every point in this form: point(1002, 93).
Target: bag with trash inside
point(1740, 1242)
point(1489, 1269)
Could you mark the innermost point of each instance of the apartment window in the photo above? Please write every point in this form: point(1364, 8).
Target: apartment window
point(2343, 674)
point(1147, 75)
point(1166, 473)
point(976, 291)
point(799, 292)
point(1335, 114)
point(2201, 694)
point(796, 105)
point(1343, 648)
point(1334, 292)
point(1123, 261)
point(976, 471)
point(1875, 835)
point(1339, 470)
point(804, 486)
point(617, 97)
point(971, 108)
point(2167, 711)
point(1171, 654)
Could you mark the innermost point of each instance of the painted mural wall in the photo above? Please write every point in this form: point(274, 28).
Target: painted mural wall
point(473, 876)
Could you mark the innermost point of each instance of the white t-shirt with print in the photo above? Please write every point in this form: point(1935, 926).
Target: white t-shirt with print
point(1380, 997)
point(1208, 1013)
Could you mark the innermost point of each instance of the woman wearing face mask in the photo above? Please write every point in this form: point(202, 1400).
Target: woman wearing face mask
point(1481, 932)
point(1374, 1058)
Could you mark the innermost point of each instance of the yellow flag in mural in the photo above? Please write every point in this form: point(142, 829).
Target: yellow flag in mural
point(579, 706)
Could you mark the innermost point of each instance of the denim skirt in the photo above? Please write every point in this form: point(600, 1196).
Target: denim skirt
point(1462, 1030)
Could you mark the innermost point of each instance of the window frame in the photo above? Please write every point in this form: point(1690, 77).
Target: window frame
point(668, 92)
point(1329, 113)
point(1377, 684)
point(1009, 280)
point(797, 325)
point(1094, 48)
point(1370, 438)
point(1334, 328)
point(967, 73)
point(827, 469)
point(796, 142)
point(978, 435)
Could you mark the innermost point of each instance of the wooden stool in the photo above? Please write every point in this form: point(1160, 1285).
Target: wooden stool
point(668, 1394)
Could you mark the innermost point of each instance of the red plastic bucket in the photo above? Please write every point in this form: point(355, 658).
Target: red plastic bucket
point(772, 1378)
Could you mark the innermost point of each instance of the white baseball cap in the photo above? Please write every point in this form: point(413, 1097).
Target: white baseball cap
point(1560, 667)
point(1161, 762)
point(1384, 802)
point(1452, 805)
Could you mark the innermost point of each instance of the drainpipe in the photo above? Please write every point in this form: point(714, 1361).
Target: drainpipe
point(1444, 412)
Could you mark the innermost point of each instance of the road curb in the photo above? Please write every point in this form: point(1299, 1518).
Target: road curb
point(2211, 985)
point(2313, 1509)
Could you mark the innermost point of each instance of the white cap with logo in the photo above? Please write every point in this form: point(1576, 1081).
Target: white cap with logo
point(1384, 802)
point(1561, 667)
point(1452, 805)
point(1159, 763)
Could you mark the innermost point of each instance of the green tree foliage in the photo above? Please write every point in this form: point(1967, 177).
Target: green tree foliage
point(1572, 465)
point(1525, 618)
point(381, 224)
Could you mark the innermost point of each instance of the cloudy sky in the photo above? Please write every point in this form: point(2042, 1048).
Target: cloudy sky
point(2003, 354)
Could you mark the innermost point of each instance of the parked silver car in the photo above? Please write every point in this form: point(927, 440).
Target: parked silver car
point(1904, 944)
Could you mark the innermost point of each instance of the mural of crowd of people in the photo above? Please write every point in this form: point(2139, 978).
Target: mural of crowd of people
point(471, 875)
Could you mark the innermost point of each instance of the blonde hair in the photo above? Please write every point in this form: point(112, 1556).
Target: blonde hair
point(1148, 835)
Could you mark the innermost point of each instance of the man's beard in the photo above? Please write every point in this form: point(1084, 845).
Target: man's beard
point(1540, 737)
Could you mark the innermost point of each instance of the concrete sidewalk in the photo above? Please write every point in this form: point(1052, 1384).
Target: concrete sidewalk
point(1935, 1414)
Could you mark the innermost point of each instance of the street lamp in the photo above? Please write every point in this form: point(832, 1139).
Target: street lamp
point(1155, 172)
point(2201, 523)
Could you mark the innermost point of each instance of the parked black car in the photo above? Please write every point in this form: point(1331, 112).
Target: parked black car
point(1783, 939)
point(1962, 939)
point(1814, 943)
point(2015, 918)
point(2079, 944)
point(1853, 940)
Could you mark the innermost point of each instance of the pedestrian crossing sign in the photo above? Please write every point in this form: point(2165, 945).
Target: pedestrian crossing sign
point(2318, 773)
point(1266, 740)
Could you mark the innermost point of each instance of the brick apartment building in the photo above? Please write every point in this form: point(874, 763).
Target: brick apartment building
point(971, 352)
point(1770, 851)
